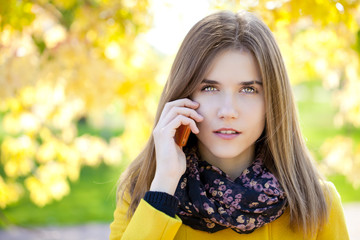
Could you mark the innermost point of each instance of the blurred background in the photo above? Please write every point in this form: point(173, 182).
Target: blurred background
point(80, 81)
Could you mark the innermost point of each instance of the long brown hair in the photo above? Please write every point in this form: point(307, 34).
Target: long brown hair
point(282, 143)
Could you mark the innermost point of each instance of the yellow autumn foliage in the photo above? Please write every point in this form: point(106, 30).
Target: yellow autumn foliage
point(59, 68)
point(341, 158)
point(10, 192)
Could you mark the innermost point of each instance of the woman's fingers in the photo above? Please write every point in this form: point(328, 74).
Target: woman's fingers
point(170, 159)
point(175, 111)
point(169, 130)
point(183, 120)
point(184, 102)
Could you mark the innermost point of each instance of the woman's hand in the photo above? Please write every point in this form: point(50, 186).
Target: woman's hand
point(170, 159)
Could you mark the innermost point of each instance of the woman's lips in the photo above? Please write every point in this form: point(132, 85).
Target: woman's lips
point(227, 133)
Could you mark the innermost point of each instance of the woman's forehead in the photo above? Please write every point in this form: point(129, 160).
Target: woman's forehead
point(236, 65)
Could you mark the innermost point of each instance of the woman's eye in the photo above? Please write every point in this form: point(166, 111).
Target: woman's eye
point(209, 89)
point(248, 90)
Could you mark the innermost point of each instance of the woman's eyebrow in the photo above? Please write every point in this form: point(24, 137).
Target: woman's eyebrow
point(250, 83)
point(209, 81)
point(246, 83)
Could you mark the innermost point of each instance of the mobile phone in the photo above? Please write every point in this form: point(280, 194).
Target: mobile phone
point(182, 135)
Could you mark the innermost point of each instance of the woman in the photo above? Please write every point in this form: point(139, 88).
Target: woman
point(245, 172)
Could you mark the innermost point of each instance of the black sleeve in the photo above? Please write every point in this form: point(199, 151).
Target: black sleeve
point(162, 201)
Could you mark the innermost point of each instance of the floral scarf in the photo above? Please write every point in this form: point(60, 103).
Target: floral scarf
point(210, 201)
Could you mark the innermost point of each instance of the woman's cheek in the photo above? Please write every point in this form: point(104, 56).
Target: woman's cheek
point(203, 110)
point(207, 106)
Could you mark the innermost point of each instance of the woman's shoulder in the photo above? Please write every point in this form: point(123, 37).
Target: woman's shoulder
point(335, 226)
point(330, 191)
point(123, 198)
point(327, 184)
point(121, 220)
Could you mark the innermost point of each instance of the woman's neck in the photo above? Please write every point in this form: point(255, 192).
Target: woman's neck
point(233, 167)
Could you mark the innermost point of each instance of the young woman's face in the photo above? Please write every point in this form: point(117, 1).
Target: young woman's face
point(232, 103)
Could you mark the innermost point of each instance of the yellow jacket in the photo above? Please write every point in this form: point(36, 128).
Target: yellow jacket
point(149, 223)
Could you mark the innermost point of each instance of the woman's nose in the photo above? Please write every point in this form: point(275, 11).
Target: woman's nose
point(228, 108)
